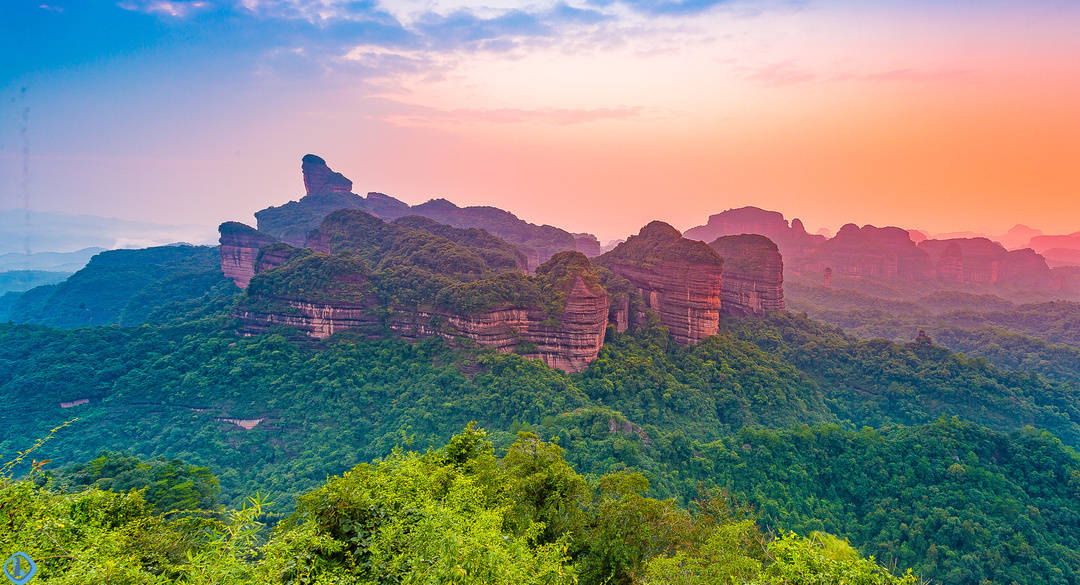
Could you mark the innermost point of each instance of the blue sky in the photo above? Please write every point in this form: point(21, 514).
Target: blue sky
point(573, 113)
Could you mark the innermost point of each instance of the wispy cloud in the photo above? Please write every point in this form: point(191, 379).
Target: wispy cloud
point(406, 114)
point(176, 8)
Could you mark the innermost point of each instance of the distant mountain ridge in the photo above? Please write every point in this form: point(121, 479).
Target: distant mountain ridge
point(428, 272)
point(892, 253)
point(328, 191)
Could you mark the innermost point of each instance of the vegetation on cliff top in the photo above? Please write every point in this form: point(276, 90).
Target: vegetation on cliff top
point(658, 242)
point(416, 262)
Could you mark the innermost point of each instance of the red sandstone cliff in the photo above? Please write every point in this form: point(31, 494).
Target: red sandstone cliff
point(321, 294)
point(678, 278)
point(871, 252)
point(980, 260)
point(318, 178)
point(239, 250)
point(753, 278)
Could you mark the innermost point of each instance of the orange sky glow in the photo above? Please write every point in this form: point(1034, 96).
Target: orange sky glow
point(943, 118)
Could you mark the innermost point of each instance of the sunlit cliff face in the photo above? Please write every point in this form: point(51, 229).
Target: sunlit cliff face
point(596, 117)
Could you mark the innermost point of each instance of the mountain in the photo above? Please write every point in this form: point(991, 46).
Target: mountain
point(896, 255)
point(792, 238)
point(677, 278)
point(327, 191)
point(128, 287)
point(753, 277)
point(415, 278)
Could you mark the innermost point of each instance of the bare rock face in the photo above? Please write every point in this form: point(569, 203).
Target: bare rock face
point(1025, 268)
point(568, 342)
point(318, 178)
point(965, 259)
point(980, 260)
point(872, 252)
point(753, 278)
point(587, 244)
point(331, 287)
point(240, 245)
point(678, 278)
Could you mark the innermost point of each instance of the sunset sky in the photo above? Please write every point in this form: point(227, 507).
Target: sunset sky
point(593, 115)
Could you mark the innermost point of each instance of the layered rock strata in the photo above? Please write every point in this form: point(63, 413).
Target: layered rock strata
point(240, 245)
point(679, 279)
point(753, 277)
point(330, 287)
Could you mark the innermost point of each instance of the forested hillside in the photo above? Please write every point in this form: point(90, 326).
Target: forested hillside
point(124, 287)
point(683, 416)
point(1037, 337)
point(458, 514)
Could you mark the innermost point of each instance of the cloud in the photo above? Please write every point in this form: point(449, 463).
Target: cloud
point(176, 8)
point(671, 7)
point(686, 8)
point(406, 114)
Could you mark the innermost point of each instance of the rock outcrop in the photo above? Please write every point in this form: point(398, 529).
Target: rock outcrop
point(328, 191)
point(428, 280)
point(569, 340)
point(240, 245)
point(678, 278)
point(791, 239)
point(871, 252)
point(587, 244)
point(982, 261)
point(318, 178)
point(753, 277)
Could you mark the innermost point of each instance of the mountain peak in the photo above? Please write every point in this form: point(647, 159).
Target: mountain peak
point(319, 178)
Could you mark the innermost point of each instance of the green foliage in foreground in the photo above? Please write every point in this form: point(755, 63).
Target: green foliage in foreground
point(170, 484)
point(675, 414)
point(453, 515)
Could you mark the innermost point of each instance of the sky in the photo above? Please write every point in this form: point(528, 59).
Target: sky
point(592, 115)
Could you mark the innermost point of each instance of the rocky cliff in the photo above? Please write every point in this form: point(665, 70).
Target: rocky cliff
point(980, 260)
point(240, 245)
point(587, 244)
point(791, 239)
point(870, 252)
point(406, 277)
point(678, 278)
point(328, 191)
point(753, 277)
